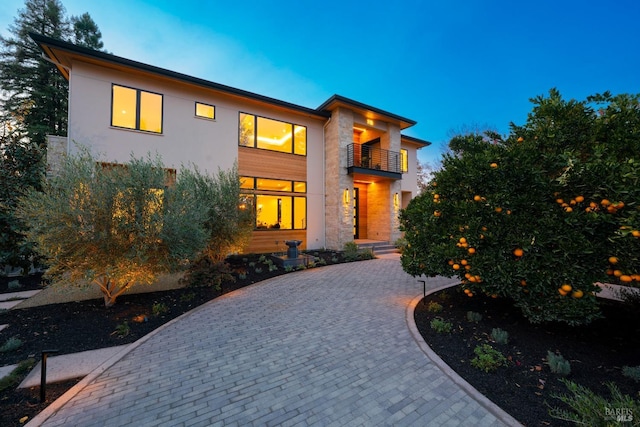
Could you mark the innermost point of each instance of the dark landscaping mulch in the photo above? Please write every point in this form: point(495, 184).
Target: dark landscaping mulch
point(88, 325)
point(524, 388)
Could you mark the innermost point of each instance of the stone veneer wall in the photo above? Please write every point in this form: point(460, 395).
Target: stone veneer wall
point(56, 151)
point(338, 215)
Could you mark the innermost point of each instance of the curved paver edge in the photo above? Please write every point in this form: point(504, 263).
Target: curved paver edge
point(497, 411)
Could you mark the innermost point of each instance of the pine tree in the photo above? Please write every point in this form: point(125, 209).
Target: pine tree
point(31, 85)
point(86, 32)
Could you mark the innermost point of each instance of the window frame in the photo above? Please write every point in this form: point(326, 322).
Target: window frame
point(404, 160)
point(254, 142)
point(254, 191)
point(137, 109)
point(205, 105)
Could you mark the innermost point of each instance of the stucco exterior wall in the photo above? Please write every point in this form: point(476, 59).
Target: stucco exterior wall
point(186, 139)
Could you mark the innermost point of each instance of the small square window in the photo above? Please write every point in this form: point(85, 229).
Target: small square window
point(205, 111)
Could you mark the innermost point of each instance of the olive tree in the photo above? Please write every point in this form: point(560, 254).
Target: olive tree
point(114, 225)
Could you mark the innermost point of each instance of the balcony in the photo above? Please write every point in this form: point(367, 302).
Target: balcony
point(366, 160)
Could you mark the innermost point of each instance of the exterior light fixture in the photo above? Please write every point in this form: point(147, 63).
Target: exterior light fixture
point(396, 200)
point(346, 196)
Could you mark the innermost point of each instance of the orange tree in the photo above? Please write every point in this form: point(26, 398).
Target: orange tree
point(541, 215)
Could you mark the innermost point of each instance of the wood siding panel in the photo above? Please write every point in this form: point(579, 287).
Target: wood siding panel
point(271, 164)
point(273, 241)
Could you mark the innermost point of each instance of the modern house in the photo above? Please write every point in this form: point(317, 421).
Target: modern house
point(326, 176)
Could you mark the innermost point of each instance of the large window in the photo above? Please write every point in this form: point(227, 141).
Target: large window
point(274, 135)
point(277, 211)
point(136, 109)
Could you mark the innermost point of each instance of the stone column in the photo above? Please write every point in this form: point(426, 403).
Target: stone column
point(338, 214)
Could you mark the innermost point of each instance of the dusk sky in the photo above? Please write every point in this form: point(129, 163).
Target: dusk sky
point(449, 65)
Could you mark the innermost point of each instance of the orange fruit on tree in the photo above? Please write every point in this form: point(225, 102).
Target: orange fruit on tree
point(559, 201)
point(450, 262)
point(562, 292)
point(464, 262)
point(625, 278)
point(498, 209)
point(568, 209)
point(493, 165)
point(579, 199)
point(520, 139)
point(577, 294)
point(467, 267)
point(566, 287)
point(523, 282)
point(456, 266)
point(635, 233)
point(613, 260)
point(437, 213)
point(617, 273)
point(463, 240)
point(436, 196)
point(605, 202)
point(477, 198)
point(518, 252)
point(471, 251)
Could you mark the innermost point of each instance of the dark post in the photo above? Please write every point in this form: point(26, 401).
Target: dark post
point(424, 290)
point(43, 373)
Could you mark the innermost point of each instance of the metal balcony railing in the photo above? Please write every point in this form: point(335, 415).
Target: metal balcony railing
point(366, 157)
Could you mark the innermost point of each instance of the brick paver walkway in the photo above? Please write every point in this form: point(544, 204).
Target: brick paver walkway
point(326, 346)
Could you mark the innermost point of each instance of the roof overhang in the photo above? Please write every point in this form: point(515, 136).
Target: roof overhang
point(367, 111)
point(419, 143)
point(64, 54)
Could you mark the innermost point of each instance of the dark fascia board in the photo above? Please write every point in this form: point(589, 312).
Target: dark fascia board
point(415, 140)
point(46, 43)
point(339, 99)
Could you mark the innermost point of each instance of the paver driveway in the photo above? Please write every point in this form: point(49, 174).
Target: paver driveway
point(326, 346)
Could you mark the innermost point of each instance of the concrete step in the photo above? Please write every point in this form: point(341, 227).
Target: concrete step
point(11, 299)
point(379, 248)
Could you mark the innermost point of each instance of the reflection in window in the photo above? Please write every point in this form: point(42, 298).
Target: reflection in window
point(247, 130)
point(136, 109)
point(205, 111)
point(274, 135)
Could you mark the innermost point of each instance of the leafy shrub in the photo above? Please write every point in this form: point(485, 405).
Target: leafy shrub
point(434, 307)
point(589, 409)
point(122, 329)
point(350, 251)
point(500, 336)
point(632, 372)
point(258, 270)
point(207, 273)
point(334, 259)
point(159, 308)
point(440, 326)
point(187, 297)
point(565, 183)
point(14, 284)
point(242, 276)
point(321, 261)
point(289, 268)
point(473, 316)
point(487, 358)
point(401, 244)
point(11, 344)
point(558, 364)
point(16, 375)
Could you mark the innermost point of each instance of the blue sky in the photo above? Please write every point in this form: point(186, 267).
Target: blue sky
point(449, 65)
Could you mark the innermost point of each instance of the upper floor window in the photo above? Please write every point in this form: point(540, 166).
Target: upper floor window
point(205, 111)
point(404, 160)
point(274, 135)
point(136, 109)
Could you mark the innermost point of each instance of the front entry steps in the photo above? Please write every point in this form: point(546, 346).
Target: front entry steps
point(378, 247)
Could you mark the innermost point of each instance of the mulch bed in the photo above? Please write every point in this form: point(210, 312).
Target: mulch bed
point(525, 387)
